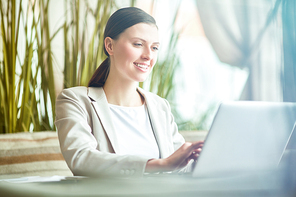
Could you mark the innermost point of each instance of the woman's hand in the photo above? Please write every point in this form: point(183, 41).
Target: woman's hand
point(179, 159)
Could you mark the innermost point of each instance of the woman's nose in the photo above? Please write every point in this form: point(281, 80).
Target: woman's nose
point(147, 53)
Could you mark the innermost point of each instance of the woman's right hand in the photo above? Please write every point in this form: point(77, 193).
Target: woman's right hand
point(179, 159)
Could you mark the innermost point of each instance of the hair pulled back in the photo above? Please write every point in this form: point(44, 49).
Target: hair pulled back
point(118, 23)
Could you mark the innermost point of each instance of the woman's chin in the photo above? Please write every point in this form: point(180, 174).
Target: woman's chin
point(141, 79)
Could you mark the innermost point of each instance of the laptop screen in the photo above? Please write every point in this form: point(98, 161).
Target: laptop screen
point(245, 136)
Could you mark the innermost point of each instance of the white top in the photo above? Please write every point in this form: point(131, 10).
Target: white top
point(134, 131)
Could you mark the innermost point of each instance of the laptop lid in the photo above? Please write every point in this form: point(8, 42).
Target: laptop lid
point(245, 136)
point(290, 148)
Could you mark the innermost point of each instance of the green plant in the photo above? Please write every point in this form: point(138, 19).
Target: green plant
point(26, 70)
point(82, 57)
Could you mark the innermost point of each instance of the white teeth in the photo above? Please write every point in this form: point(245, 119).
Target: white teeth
point(141, 66)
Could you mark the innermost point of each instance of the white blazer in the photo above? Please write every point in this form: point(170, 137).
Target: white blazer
point(87, 137)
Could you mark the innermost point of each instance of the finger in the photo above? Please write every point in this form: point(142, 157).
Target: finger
point(194, 157)
point(198, 144)
point(198, 150)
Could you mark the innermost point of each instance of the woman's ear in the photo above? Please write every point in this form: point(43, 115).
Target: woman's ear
point(109, 45)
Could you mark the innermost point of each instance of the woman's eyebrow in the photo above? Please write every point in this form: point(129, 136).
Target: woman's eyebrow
point(144, 40)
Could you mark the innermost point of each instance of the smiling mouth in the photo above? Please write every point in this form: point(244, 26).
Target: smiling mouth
point(142, 66)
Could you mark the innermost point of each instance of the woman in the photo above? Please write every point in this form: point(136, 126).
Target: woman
point(112, 127)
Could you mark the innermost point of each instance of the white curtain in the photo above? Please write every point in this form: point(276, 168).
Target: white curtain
point(247, 34)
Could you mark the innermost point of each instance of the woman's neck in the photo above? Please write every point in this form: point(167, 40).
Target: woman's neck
point(123, 94)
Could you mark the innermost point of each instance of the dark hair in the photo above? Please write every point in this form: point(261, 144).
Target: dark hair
point(118, 23)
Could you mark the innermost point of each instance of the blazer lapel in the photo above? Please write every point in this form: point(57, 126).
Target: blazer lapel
point(158, 122)
point(100, 105)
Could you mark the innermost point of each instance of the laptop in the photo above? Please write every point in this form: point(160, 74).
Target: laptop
point(245, 136)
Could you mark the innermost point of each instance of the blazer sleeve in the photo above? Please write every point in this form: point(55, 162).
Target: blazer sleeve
point(79, 146)
point(178, 140)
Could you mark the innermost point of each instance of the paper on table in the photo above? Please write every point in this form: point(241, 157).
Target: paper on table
point(34, 179)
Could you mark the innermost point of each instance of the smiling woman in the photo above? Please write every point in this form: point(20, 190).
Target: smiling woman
point(113, 127)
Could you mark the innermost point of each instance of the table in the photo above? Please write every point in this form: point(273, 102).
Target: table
point(269, 184)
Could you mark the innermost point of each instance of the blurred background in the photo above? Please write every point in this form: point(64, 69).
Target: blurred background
point(211, 51)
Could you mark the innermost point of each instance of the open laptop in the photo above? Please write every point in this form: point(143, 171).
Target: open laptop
point(245, 136)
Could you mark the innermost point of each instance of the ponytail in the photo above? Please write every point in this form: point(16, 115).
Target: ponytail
point(100, 76)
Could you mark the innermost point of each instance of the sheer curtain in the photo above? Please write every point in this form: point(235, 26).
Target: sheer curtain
point(248, 34)
point(289, 48)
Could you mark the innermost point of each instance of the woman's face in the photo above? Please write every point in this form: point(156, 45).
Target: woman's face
point(134, 53)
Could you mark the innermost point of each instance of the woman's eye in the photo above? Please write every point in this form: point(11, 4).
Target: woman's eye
point(137, 44)
point(155, 48)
